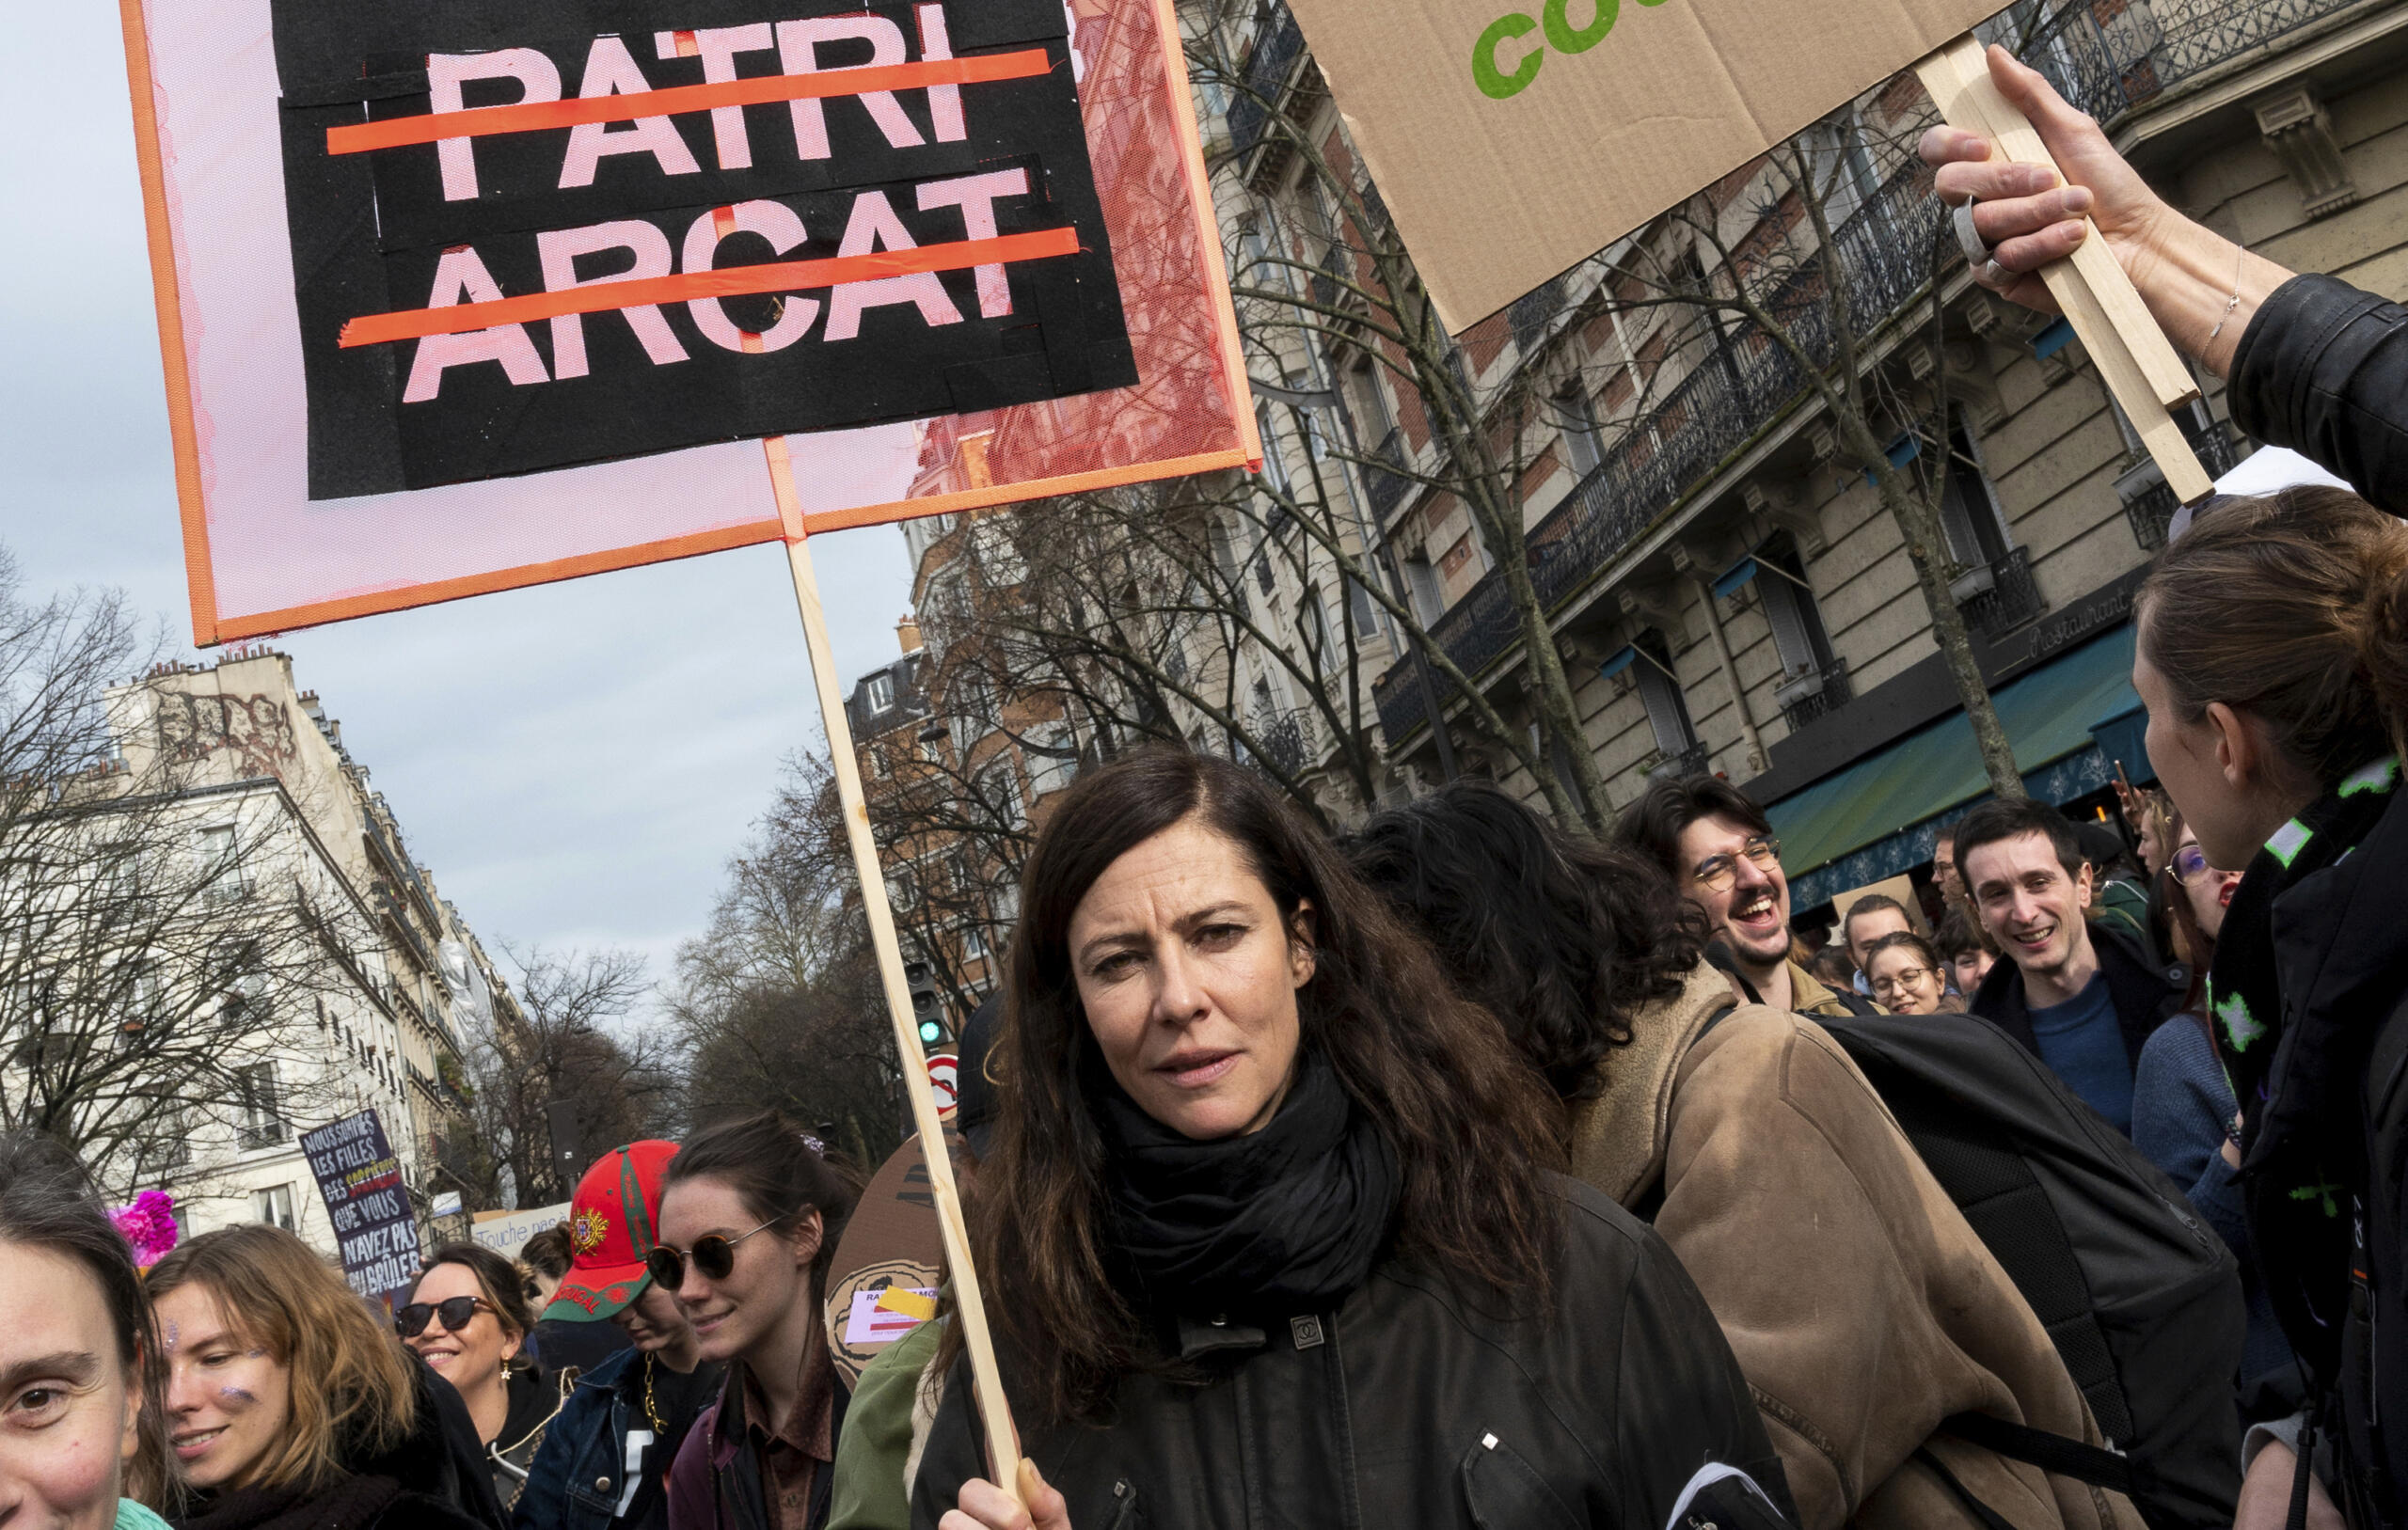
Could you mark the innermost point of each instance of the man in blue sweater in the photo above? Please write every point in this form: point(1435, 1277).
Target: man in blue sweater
point(2082, 995)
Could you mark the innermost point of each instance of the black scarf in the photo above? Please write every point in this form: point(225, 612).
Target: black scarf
point(348, 1503)
point(2288, 1067)
point(1292, 1216)
point(2244, 993)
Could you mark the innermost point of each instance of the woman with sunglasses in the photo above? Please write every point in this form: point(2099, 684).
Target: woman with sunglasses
point(466, 1318)
point(2186, 1120)
point(750, 1214)
point(287, 1404)
point(1907, 976)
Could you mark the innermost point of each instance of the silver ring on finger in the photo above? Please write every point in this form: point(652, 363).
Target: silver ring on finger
point(1990, 274)
point(1977, 253)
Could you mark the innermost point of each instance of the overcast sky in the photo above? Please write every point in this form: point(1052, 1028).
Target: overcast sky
point(574, 762)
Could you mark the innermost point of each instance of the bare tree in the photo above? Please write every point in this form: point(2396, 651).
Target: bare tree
point(562, 1057)
point(148, 968)
point(777, 1001)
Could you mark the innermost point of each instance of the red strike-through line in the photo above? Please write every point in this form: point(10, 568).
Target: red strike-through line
point(530, 117)
point(736, 281)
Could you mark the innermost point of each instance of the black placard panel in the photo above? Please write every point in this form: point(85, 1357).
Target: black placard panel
point(371, 232)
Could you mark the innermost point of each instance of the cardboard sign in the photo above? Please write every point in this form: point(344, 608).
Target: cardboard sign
point(507, 1232)
point(360, 1180)
point(1511, 139)
point(891, 1244)
point(455, 298)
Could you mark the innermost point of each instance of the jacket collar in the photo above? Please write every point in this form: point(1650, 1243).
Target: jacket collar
point(2141, 991)
point(1618, 1139)
point(1807, 991)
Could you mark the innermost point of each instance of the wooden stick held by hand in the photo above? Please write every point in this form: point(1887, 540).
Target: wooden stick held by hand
point(2141, 367)
point(1002, 1445)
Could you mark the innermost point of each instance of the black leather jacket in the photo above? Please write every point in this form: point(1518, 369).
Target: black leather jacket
point(1410, 1406)
point(2323, 370)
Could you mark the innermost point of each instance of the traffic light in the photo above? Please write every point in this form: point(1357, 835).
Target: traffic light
point(927, 1009)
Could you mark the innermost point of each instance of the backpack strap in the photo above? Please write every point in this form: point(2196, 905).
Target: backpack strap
point(1990, 1518)
point(2052, 1453)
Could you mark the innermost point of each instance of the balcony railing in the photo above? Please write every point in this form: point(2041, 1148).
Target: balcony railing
point(1733, 393)
point(2001, 596)
point(1288, 741)
point(1268, 68)
point(1666, 764)
point(1386, 490)
point(2108, 57)
point(1815, 694)
point(2150, 503)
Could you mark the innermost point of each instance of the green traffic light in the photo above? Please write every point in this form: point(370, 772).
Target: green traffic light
point(930, 1032)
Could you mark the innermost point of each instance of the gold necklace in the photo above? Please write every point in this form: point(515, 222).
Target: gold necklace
point(652, 1409)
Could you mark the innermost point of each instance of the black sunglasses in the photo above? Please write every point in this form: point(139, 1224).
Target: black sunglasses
point(458, 1312)
point(712, 1255)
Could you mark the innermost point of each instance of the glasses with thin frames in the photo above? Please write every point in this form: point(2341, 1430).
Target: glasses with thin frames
point(1897, 981)
point(457, 1312)
point(1717, 873)
point(2190, 863)
point(712, 1255)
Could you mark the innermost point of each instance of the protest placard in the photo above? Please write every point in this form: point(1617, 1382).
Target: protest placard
point(360, 1180)
point(454, 299)
point(1511, 139)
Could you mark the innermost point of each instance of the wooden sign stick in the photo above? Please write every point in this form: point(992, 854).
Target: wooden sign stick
point(2115, 326)
point(1003, 1447)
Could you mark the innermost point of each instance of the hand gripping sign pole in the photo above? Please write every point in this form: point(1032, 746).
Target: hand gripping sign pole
point(1003, 1449)
point(2115, 326)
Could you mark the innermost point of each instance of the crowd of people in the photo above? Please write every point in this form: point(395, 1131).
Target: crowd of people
point(1470, 1171)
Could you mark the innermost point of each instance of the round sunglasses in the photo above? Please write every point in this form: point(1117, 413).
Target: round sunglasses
point(712, 1255)
point(458, 1312)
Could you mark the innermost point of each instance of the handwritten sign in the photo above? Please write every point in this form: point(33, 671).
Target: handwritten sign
point(360, 1180)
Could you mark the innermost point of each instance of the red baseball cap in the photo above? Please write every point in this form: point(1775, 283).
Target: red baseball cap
point(612, 1224)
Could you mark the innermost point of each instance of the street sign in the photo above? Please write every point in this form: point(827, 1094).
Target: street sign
point(944, 1081)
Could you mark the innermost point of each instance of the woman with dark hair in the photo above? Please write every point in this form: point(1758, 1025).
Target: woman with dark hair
point(751, 1210)
point(1264, 1221)
point(1862, 1306)
point(287, 1403)
point(466, 1318)
point(2273, 657)
point(82, 1444)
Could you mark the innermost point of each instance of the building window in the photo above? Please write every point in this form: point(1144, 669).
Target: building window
point(1576, 417)
point(1797, 634)
point(973, 942)
point(1969, 508)
point(1421, 589)
point(262, 1124)
point(1668, 710)
point(274, 1205)
point(221, 867)
point(1003, 790)
point(881, 694)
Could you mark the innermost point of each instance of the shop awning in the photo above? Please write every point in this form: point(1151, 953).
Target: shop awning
point(1877, 817)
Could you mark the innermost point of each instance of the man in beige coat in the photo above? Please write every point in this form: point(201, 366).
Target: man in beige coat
point(1863, 1307)
point(1860, 1305)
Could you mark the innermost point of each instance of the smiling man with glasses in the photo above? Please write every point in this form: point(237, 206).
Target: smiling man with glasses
point(1721, 852)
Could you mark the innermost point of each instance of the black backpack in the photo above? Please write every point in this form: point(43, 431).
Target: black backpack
point(2142, 1298)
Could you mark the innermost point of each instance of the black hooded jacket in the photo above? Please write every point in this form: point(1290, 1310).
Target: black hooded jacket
point(2337, 1091)
point(1405, 1404)
point(432, 1479)
point(2143, 992)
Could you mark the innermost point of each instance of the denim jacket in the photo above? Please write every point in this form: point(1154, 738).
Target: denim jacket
point(580, 1477)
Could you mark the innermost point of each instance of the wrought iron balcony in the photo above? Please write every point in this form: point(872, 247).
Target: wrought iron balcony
point(1386, 490)
point(2148, 502)
point(1288, 741)
point(2108, 57)
point(1268, 68)
point(1529, 316)
point(1814, 694)
point(1732, 393)
point(2000, 597)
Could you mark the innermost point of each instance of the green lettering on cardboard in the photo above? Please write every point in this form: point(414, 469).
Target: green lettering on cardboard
point(1563, 39)
point(1493, 83)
